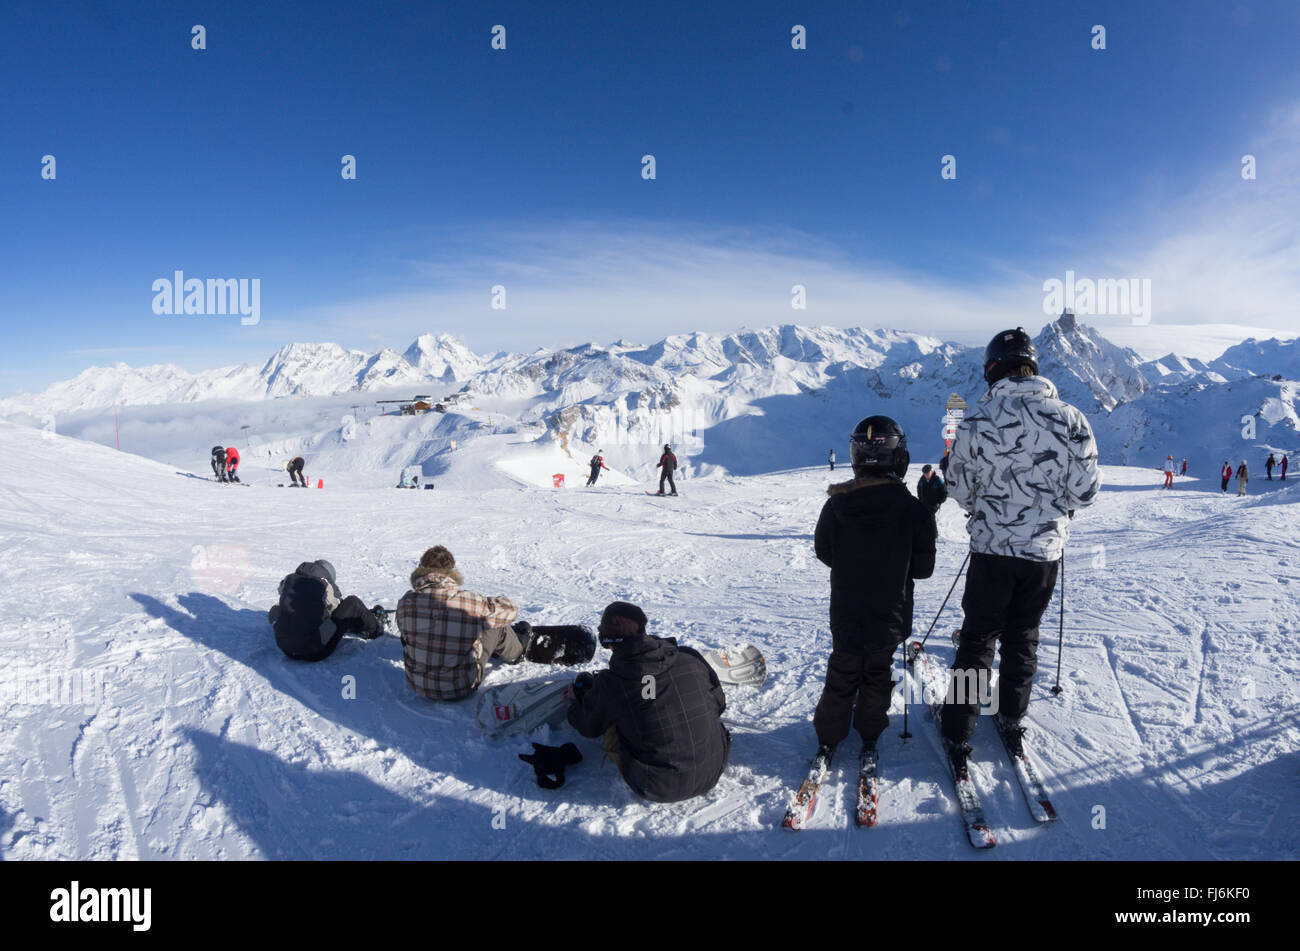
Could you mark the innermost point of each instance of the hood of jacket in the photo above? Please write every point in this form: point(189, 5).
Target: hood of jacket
point(439, 584)
point(1037, 387)
point(870, 501)
point(646, 654)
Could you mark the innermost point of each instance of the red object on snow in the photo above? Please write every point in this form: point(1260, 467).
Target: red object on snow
point(232, 456)
point(320, 483)
point(558, 480)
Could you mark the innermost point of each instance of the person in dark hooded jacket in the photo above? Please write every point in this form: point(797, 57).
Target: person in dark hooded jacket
point(313, 615)
point(658, 710)
point(931, 489)
point(877, 538)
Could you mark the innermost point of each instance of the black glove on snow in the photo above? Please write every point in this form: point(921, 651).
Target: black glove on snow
point(548, 761)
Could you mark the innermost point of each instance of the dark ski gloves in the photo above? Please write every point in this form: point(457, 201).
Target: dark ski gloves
point(582, 683)
point(551, 761)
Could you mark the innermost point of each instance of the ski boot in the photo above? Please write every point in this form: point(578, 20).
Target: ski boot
point(1013, 734)
point(381, 615)
point(956, 639)
point(824, 753)
point(524, 631)
point(958, 757)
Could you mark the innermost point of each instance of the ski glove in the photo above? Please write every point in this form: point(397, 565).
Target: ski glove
point(548, 761)
point(582, 683)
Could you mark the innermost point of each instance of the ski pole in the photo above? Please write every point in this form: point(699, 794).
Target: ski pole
point(905, 735)
point(1060, 641)
point(947, 596)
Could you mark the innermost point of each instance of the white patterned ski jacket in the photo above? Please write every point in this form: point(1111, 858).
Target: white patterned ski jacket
point(1022, 460)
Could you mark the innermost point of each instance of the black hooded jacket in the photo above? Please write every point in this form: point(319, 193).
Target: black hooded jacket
point(877, 538)
point(307, 599)
point(666, 704)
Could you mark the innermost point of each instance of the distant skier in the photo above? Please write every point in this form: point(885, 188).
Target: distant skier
point(597, 463)
point(657, 709)
point(294, 468)
point(1268, 467)
point(831, 459)
point(449, 634)
point(232, 464)
point(1285, 463)
point(313, 615)
point(1021, 463)
point(1169, 472)
point(1243, 477)
point(877, 539)
point(931, 490)
point(1226, 474)
point(668, 463)
point(219, 463)
point(1184, 469)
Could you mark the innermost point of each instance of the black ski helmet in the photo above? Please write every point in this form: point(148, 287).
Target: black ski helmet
point(327, 568)
point(879, 445)
point(1006, 351)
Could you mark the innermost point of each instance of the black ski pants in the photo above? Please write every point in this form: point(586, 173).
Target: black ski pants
point(1003, 602)
point(219, 470)
point(295, 474)
point(595, 474)
point(667, 474)
point(857, 691)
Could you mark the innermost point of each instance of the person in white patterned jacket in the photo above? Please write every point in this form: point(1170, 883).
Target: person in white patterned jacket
point(1022, 462)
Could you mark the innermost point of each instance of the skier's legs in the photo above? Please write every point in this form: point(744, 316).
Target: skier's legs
point(1018, 649)
point(500, 642)
point(834, 711)
point(871, 716)
point(987, 596)
point(353, 617)
point(671, 484)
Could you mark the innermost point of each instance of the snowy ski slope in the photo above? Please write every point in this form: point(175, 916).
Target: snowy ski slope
point(148, 713)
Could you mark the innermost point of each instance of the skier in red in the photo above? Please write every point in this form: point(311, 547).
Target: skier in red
point(232, 463)
point(668, 463)
point(1169, 472)
point(597, 463)
point(1226, 474)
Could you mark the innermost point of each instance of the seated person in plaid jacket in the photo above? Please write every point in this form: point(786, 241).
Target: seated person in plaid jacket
point(449, 633)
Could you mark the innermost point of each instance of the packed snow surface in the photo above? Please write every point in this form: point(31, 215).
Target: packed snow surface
point(149, 714)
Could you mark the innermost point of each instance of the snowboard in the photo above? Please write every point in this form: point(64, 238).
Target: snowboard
point(563, 644)
point(738, 667)
point(516, 709)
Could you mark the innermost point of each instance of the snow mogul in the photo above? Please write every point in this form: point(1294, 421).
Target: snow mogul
point(313, 615)
point(1022, 462)
point(657, 709)
point(877, 539)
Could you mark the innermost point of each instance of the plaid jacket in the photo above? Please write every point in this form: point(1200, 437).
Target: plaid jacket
point(441, 625)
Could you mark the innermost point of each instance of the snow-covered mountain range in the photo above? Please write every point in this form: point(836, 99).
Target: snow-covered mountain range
point(742, 403)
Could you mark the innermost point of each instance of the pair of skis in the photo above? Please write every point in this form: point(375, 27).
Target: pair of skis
point(805, 799)
point(978, 832)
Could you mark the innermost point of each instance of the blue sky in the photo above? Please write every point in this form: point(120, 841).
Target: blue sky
point(522, 167)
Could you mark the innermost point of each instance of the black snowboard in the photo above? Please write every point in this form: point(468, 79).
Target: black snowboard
point(564, 644)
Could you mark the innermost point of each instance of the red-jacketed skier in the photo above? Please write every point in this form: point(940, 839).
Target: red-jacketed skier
point(232, 464)
point(667, 463)
point(597, 463)
point(1225, 473)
